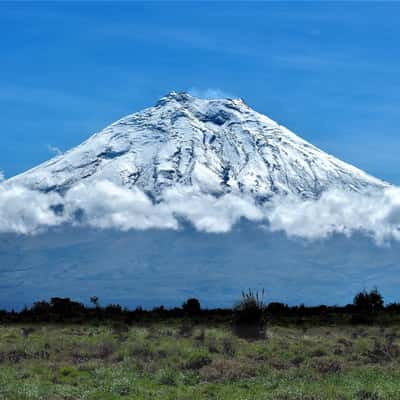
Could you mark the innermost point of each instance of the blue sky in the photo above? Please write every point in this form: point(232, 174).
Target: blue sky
point(328, 71)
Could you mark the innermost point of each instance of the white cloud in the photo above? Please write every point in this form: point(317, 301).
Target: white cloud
point(376, 214)
point(108, 206)
point(2, 177)
point(105, 205)
point(209, 213)
point(24, 211)
point(55, 150)
point(210, 93)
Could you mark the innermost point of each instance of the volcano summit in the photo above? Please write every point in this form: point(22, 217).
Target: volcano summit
point(215, 146)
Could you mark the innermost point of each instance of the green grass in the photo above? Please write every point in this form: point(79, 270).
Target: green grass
point(169, 361)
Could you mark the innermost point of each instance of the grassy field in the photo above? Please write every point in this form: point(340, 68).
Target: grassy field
point(174, 361)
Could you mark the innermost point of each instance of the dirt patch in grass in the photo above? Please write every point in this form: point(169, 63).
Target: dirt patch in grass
point(226, 369)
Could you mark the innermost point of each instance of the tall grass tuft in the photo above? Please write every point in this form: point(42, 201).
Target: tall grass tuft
point(248, 315)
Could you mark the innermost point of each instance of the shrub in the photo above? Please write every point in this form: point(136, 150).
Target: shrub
point(368, 303)
point(167, 377)
point(141, 351)
point(248, 316)
point(120, 330)
point(201, 336)
point(197, 361)
point(192, 307)
point(212, 344)
point(366, 395)
point(105, 349)
point(65, 307)
point(327, 366)
point(222, 369)
point(186, 330)
point(228, 347)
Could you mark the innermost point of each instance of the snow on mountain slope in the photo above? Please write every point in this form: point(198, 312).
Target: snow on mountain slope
point(217, 146)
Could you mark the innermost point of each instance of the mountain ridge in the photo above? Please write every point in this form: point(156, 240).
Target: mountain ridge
point(216, 146)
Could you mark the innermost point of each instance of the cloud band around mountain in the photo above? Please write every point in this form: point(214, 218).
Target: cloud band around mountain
point(105, 205)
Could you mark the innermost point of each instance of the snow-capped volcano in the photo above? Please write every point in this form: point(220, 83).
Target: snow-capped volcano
point(209, 165)
point(217, 146)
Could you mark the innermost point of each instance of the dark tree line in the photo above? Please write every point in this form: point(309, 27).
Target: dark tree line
point(250, 311)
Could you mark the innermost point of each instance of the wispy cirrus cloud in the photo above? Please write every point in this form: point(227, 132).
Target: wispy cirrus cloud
point(54, 150)
point(210, 93)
